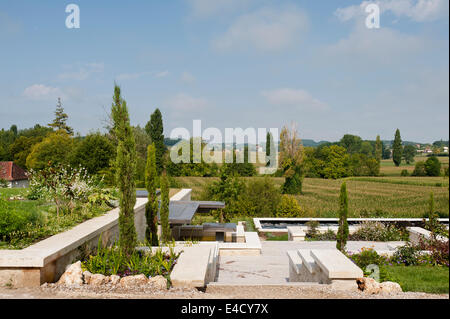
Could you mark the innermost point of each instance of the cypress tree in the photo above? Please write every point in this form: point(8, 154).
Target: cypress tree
point(125, 166)
point(155, 129)
point(342, 234)
point(378, 149)
point(270, 150)
point(164, 210)
point(397, 149)
point(151, 208)
point(60, 121)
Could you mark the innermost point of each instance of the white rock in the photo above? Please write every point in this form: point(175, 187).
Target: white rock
point(114, 279)
point(98, 280)
point(87, 276)
point(389, 287)
point(158, 282)
point(72, 276)
point(133, 281)
point(368, 285)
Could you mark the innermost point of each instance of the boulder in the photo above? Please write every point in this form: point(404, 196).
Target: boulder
point(114, 279)
point(87, 276)
point(368, 285)
point(389, 287)
point(158, 282)
point(133, 281)
point(98, 280)
point(72, 276)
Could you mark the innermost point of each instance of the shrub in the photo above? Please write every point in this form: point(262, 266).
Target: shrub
point(419, 169)
point(366, 257)
point(312, 231)
point(289, 207)
point(404, 172)
point(3, 183)
point(433, 166)
point(407, 255)
point(439, 251)
point(377, 231)
point(260, 197)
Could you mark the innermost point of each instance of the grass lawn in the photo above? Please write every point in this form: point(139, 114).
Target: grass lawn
point(276, 237)
point(420, 278)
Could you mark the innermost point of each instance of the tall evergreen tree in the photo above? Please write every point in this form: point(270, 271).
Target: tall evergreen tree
point(155, 129)
point(378, 149)
point(125, 166)
point(60, 121)
point(397, 149)
point(270, 150)
point(342, 234)
point(164, 210)
point(151, 208)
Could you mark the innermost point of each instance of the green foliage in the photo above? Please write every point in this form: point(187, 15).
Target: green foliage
point(419, 169)
point(164, 210)
point(378, 149)
point(377, 231)
point(409, 151)
point(366, 257)
point(60, 121)
point(406, 255)
point(151, 208)
point(433, 166)
point(125, 166)
point(291, 161)
point(397, 149)
point(155, 130)
point(351, 143)
point(55, 148)
point(404, 173)
point(289, 207)
point(21, 148)
point(342, 234)
point(112, 261)
point(259, 198)
point(95, 153)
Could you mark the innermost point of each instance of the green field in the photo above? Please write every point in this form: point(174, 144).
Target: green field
point(368, 197)
point(388, 167)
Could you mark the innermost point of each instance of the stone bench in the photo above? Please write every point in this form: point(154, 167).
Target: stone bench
point(417, 233)
point(296, 233)
point(324, 266)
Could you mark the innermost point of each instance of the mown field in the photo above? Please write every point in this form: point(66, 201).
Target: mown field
point(388, 167)
point(368, 197)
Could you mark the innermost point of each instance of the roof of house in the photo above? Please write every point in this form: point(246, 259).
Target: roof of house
point(11, 172)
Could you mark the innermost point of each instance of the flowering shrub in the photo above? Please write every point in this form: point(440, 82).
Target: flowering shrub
point(427, 252)
point(377, 231)
point(288, 207)
point(65, 186)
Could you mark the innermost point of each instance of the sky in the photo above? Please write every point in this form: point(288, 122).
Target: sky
point(230, 64)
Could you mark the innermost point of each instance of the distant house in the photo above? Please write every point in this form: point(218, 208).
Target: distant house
point(445, 149)
point(15, 176)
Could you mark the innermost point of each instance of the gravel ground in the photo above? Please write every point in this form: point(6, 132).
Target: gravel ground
point(52, 291)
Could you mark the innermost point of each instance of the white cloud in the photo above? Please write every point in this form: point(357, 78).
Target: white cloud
point(42, 92)
point(416, 10)
point(267, 29)
point(162, 74)
point(81, 72)
point(296, 98)
point(186, 103)
point(208, 8)
point(187, 78)
point(367, 46)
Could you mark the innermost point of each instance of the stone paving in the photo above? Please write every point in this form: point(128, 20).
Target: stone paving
point(272, 266)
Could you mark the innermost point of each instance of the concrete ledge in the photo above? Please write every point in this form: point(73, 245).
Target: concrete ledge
point(418, 233)
point(307, 260)
point(335, 264)
point(296, 233)
point(191, 270)
point(251, 247)
point(183, 195)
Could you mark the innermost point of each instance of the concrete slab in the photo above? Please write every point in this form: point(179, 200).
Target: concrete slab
point(335, 264)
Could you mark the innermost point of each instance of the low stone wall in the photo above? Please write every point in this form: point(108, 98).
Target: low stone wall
point(47, 260)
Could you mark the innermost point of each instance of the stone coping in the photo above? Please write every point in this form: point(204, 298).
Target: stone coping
point(259, 228)
point(47, 250)
point(56, 246)
point(335, 264)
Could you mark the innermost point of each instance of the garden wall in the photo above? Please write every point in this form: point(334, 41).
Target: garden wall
point(46, 260)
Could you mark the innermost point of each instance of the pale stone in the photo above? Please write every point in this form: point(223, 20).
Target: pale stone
point(97, 280)
point(87, 276)
point(389, 287)
point(114, 279)
point(133, 281)
point(72, 276)
point(368, 285)
point(158, 282)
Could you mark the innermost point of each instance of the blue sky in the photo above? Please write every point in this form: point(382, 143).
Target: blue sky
point(231, 63)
